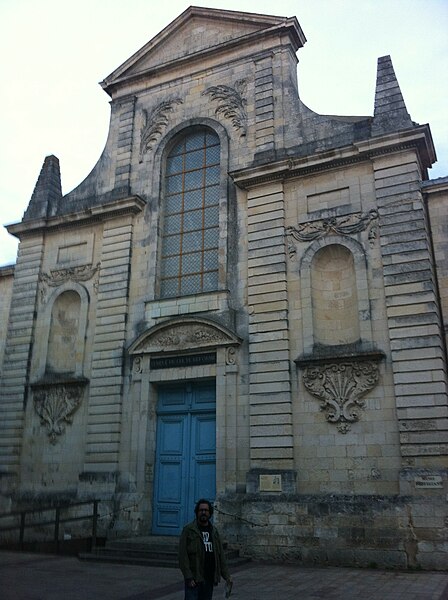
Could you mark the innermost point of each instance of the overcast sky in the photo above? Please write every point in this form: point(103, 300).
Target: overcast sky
point(54, 53)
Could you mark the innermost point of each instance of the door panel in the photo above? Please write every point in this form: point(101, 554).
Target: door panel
point(185, 454)
point(172, 430)
point(203, 458)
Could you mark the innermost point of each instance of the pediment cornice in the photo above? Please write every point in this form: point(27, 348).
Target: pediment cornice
point(183, 335)
point(196, 32)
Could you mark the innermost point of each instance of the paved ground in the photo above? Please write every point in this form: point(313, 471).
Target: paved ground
point(25, 576)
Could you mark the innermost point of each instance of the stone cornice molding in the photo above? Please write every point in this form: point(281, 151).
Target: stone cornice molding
point(435, 186)
point(418, 138)
point(94, 214)
point(336, 354)
point(7, 270)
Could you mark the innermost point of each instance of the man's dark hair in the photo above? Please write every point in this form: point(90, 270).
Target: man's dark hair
point(203, 501)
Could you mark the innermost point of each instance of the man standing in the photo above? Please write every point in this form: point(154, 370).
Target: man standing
point(201, 555)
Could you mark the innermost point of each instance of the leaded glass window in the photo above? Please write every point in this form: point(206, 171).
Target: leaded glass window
point(189, 255)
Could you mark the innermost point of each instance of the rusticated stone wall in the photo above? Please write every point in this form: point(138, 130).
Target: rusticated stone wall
point(393, 531)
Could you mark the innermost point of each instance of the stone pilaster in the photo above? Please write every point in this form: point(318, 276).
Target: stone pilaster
point(416, 334)
point(271, 440)
point(18, 349)
point(124, 146)
point(264, 105)
point(104, 414)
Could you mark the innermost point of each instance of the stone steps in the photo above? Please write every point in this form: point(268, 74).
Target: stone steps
point(153, 551)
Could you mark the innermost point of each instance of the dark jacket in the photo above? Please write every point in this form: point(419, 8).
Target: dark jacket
point(192, 554)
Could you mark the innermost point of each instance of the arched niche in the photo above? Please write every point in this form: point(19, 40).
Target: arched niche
point(334, 296)
point(64, 332)
point(63, 329)
point(322, 263)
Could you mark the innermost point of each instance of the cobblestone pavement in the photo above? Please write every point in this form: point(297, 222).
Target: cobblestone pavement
point(26, 576)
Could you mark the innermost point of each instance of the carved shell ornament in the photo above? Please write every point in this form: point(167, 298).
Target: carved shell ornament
point(231, 103)
point(56, 405)
point(341, 387)
point(154, 124)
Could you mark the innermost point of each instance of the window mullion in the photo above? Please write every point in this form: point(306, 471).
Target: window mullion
point(189, 264)
point(204, 181)
point(182, 218)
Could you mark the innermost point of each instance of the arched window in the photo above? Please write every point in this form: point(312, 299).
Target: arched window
point(190, 232)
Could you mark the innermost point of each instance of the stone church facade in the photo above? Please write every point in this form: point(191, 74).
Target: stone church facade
point(244, 300)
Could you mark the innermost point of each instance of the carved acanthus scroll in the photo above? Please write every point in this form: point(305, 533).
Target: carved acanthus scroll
point(154, 124)
point(347, 225)
point(187, 336)
point(231, 103)
point(59, 276)
point(341, 387)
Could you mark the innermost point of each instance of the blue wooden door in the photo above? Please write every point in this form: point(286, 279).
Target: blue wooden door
point(185, 453)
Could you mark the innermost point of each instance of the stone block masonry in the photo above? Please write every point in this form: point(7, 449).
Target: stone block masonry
point(271, 439)
point(124, 146)
point(104, 412)
point(413, 315)
point(19, 344)
point(264, 104)
point(331, 529)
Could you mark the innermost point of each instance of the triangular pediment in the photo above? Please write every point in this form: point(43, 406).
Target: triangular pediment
point(183, 335)
point(195, 31)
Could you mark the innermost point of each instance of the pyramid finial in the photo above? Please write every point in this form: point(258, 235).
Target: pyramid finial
point(390, 110)
point(47, 191)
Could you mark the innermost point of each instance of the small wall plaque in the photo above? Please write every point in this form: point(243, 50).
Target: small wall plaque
point(270, 483)
point(429, 482)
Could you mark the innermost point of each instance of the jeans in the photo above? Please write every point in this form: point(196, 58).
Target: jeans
point(202, 591)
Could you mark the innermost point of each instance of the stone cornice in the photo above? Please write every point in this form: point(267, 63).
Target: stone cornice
point(339, 354)
point(52, 379)
point(7, 270)
point(94, 214)
point(435, 186)
point(418, 138)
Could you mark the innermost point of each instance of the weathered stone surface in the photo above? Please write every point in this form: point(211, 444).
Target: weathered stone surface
point(315, 299)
